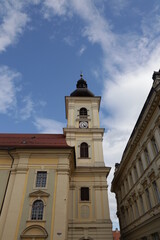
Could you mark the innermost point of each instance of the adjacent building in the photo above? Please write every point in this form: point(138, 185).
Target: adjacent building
point(53, 186)
point(136, 180)
point(116, 234)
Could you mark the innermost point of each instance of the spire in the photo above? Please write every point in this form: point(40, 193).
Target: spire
point(82, 89)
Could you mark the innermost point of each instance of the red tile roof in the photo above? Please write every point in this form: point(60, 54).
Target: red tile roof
point(33, 141)
point(116, 235)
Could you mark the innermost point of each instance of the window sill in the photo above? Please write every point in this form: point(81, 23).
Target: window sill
point(86, 201)
point(36, 221)
point(39, 188)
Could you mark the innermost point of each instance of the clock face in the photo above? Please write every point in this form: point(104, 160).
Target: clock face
point(83, 124)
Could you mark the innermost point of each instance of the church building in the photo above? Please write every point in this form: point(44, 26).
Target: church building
point(53, 186)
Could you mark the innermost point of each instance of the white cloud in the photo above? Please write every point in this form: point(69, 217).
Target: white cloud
point(45, 125)
point(118, 5)
point(69, 40)
point(82, 50)
point(28, 109)
point(13, 22)
point(11, 101)
point(55, 7)
point(8, 89)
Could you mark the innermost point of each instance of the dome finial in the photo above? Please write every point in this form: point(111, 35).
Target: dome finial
point(82, 90)
point(81, 74)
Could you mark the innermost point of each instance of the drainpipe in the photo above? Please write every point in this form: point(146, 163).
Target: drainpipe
point(8, 151)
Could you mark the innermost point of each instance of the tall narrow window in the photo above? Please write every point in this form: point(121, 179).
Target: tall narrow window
point(84, 193)
point(141, 165)
point(127, 186)
point(154, 144)
point(148, 198)
point(37, 210)
point(84, 150)
point(136, 208)
point(156, 191)
point(142, 204)
point(132, 213)
point(41, 179)
point(83, 112)
point(147, 156)
point(155, 236)
point(135, 173)
point(131, 179)
point(127, 215)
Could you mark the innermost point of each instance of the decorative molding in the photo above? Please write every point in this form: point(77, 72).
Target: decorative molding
point(40, 232)
point(39, 193)
point(151, 174)
point(144, 182)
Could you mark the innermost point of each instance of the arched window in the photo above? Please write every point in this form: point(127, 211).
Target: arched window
point(84, 150)
point(37, 210)
point(83, 112)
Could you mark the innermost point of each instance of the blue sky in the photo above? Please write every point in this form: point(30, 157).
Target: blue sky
point(44, 45)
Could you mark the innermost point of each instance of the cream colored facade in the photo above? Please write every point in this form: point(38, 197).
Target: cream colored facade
point(72, 201)
point(136, 181)
point(92, 216)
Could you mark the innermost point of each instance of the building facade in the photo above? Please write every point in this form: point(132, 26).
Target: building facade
point(53, 186)
point(136, 181)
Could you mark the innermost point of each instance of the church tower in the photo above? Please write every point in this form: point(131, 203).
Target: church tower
point(88, 212)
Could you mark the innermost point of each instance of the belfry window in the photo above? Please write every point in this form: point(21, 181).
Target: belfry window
point(37, 210)
point(84, 150)
point(83, 112)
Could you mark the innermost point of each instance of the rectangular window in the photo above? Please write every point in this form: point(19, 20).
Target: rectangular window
point(141, 165)
point(142, 205)
point(135, 173)
point(131, 179)
point(147, 156)
point(84, 193)
point(41, 179)
point(148, 198)
point(155, 236)
point(154, 144)
point(132, 213)
point(156, 191)
point(136, 207)
point(123, 188)
point(127, 186)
